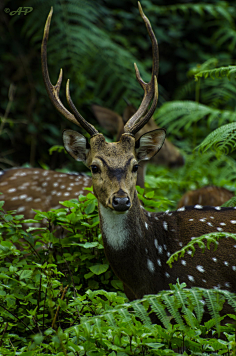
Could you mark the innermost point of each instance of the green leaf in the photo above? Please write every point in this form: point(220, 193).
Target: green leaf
point(90, 207)
point(99, 268)
point(25, 274)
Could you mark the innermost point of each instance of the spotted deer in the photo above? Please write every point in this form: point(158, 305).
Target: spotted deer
point(25, 189)
point(209, 195)
point(138, 243)
point(169, 155)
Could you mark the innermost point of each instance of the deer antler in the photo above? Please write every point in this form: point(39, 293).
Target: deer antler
point(53, 91)
point(135, 123)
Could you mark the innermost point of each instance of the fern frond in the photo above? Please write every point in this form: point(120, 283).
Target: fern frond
point(141, 313)
point(214, 302)
point(230, 297)
point(230, 203)
point(195, 296)
point(202, 9)
point(182, 298)
point(173, 305)
point(159, 309)
point(177, 115)
point(222, 139)
point(229, 72)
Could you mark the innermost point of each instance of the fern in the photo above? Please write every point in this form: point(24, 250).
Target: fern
point(195, 299)
point(177, 115)
point(159, 309)
point(214, 302)
point(215, 10)
point(86, 52)
point(222, 139)
point(229, 72)
point(142, 314)
point(230, 203)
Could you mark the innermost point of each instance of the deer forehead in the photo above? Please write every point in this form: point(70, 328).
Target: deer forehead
point(112, 153)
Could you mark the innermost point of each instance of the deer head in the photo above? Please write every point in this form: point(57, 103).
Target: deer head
point(113, 165)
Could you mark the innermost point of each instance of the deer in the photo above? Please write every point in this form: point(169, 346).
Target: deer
point(169, 155)
point(138, 243)
point(25, 189)
point(209, 195)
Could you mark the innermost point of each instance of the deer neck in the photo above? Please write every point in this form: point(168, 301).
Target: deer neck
point(121, 230)
point(128, 240)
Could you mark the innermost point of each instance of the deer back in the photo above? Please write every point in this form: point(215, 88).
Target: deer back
point(25, 189)
point(210, 195)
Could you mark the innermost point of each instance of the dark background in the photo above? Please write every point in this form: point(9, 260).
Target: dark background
point(96, 44)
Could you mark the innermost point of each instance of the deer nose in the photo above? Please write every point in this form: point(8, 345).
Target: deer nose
point(121, 203)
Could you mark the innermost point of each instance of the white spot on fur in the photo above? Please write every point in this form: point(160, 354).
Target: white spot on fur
point(167, 275)
point(198, 206)
point(181, 209)
point(191, 278)
point(165, 225)
point(200, 269)
point(146, 225)
point(183, 262)
point(214, 259)
point(217, 207)
point(150, 266)
point(156, 243)
point(233, 221)
point(159, 262)
point(226, 263)
point(11, 190)
point(219, 229)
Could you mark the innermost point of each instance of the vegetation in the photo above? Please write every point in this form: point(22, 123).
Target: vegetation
point(65, 300)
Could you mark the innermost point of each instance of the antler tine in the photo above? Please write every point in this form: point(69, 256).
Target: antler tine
point(53, 91)
point(135, 123)
point(87, 126)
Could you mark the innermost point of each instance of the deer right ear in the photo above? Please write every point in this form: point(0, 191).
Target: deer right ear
point(76, 145)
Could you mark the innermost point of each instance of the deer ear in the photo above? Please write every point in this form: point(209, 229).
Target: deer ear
point(108, 119)
point(149, 144)
point(76, 145)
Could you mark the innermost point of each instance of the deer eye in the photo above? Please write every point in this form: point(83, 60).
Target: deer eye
point(94, 168)
point(135, 168)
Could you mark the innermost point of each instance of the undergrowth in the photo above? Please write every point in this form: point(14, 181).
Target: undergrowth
point(58, 296)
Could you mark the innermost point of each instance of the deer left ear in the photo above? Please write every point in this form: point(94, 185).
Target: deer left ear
point(149, 144)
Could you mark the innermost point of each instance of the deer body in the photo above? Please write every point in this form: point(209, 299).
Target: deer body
point(138, 243)
point(25, 189)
